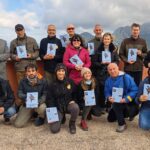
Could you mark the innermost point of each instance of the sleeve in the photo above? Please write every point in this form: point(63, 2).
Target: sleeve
point(87, 62)
point(12, 51)
point(107, 89)
point(147, 59)
point(21, 93)
point(122, 52)
point(144, 50)
point(116, 57)
point(35, 53)
point(42, 51)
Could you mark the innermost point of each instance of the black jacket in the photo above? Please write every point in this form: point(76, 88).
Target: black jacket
point(60, 93)
point(147, 59)
point(6, 94)
point(49, 65)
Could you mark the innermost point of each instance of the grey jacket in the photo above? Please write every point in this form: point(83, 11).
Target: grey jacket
point(31, 47)
point(4, 55)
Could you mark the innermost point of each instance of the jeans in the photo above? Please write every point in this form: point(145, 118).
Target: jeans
point(11, 111)
point(144, 119)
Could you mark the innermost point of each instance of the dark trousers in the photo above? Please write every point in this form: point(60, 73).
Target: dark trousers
point(73, 109)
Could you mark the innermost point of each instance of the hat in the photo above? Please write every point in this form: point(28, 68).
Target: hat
point(84, 70)
point(19, 27)
point(60, 66)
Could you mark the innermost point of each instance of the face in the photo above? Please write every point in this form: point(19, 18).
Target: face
point(87, 75)
point(71, 30)
point(107, 40)
point(135, 31)
point(98, 31)
point(20, 33)
point(76, 43)
point(60, 74)
point(51, 30)
point(31, 73)
point(113, 70)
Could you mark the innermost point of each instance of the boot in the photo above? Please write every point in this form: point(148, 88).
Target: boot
point(83, 125)
point(72, 127)
point(39, 121)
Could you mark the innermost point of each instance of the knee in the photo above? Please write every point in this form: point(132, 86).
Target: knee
point(54, 129)
point(18, 124)
point(74, 108)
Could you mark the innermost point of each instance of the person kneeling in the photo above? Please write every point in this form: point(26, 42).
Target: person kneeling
point(32, 91)
point(61, 95)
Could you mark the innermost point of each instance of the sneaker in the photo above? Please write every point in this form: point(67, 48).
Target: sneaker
point(121, 128)
point(7, 121)
point(72, 127)
point(39, 121)
point(83, 125)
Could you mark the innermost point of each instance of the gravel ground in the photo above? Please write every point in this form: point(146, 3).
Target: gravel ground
point(101, 136)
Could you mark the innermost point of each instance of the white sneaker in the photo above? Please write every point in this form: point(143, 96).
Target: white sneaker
point(121, 128)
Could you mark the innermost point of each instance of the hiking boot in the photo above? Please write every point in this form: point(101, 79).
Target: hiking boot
point(72, 127)
point(7, 121)
point(121, 128)
point(83, 125)
point(39, 121)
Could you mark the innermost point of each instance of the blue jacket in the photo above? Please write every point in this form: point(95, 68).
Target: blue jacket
point(124, 81)
point(140, 92)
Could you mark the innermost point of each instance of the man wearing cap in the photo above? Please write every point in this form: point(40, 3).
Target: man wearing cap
point(51, 60)
point(25, 45)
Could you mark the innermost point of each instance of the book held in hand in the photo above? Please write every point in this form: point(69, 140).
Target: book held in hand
point(76, 60)
point(91, 48)
point(32, 100)
point(146, 90)
point(132, 54)
point(52, 114)
point(51, 49)
point(64, 40)
point(21, 51)
point(117, 94)
point(89, 98)
point(106, 56)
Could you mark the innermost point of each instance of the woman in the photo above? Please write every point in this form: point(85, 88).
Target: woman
point(76, 48)
point(100, 64)
point(61, 95)
point(143, 98)
point(88, 83)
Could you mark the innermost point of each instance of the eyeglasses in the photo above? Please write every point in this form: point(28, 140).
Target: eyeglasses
point(76, 40)
point(70, 28)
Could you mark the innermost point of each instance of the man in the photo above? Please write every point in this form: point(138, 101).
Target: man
point(134, 68)
point(4, 55)
point(31, 85)
point(119, 80)
point(30, 46)
point(51, 60)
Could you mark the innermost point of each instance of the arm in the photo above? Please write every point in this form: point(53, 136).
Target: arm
point(42, 51)
point(147, 59)
point(107, 89)
point(122, 52)
point(144, 50)
point(21, 94)
point(87, 62)
point(12, 50)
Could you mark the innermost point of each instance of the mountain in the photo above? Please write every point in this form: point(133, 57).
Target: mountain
point(86, 36)
point(124, 32)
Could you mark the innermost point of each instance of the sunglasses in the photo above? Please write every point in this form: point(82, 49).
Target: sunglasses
point(76, 40)
point(70, 29)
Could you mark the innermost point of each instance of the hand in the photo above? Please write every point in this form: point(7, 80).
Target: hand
point(1, 110)
point(51, 56)
point(17, 58)
point(139, 52)
point(143, 98)
point(131, 62)
point(111, 99)
point(29, 55)
point(78, 67)
point(122, 100)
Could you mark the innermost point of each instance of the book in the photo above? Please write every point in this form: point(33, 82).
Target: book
point(89, 98)
point(146, 90)
point(117, 94)
point(91, 48)
point(21, 51)
point(52, 114)
point(132, 54)
point(64, 39)
point(76, 60)
point(106, 56)
point(51, 49)
point(32, 100)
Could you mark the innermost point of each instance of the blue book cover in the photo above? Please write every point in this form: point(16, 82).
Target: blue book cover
point(91, 48)
point(132, 54)
point(146, 90)
point(106, 56)
point(89, 98)
point(117, 94)
point(21, 51)
point(51, 49)
point(32, 100)
point(52, 114)
point(64, 40)
point(76, 60)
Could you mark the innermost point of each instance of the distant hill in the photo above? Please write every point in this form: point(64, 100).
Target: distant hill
point(86, 36)
point(124, 32)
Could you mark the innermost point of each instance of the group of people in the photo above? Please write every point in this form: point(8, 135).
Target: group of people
point(70, 73)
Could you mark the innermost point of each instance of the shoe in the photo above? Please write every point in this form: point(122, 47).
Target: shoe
point(39, 121)
point(89, 117)
point(83, 125)
point(121, 128)
point(7, 121)
point(72, 127)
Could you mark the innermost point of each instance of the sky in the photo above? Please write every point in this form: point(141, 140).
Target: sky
point(35, 15)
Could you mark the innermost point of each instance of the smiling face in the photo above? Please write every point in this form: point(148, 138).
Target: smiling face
point(71, 30)
point(51, 30)
point(107, 40)
point(113, 70)
point(20, 33)
point(98, 31)
point(60, 74)
point(87, 76)
point(135, 31)
point(31, 73)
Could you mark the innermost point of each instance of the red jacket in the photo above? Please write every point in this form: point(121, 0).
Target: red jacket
point(83, 54)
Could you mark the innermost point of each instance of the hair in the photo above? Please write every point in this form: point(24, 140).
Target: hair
point(97, 25)
point(51, 25)
point(32, 66)
point(135, 25)
point(77, 36)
